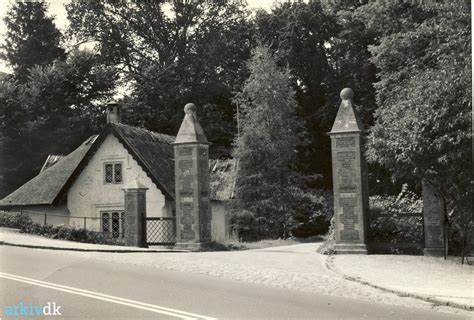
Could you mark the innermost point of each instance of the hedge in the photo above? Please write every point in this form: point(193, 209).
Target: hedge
point(26, 225)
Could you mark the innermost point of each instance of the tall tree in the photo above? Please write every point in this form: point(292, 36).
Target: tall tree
point(172, 52)
point(31, 39)
point(267, 148)
point(423, 127)
point(13, 116)
point(301, 33)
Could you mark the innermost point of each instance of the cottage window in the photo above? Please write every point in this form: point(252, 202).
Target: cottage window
point(113, 223)
point(113, 172)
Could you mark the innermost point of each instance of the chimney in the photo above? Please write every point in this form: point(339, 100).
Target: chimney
point(113, 112)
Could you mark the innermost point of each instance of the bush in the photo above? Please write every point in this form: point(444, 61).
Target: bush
point(390, 228)
point(26, 225)
point(405, 202)
point(460, 235)
point(12, 219)
point(316, 211)
point(308, 214)
point(410, 229)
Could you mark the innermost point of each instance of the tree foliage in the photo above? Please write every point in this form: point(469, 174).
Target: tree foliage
point(424, 86)
point(267, 147)
point(423, 125)
point(31, 39)
point(173, 52)
point(52, 113)
point(361, 26)
point(300, 34)
point(50, 103)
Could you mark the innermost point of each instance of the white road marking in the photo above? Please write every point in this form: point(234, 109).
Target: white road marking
point(109, 298)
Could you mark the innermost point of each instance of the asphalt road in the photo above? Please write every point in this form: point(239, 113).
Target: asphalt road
point(88, 288)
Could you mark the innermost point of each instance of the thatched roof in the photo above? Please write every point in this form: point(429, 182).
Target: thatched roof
point(47, 185)
point(154, 153)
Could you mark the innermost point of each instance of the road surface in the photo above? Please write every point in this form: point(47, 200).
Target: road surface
point(89, 288)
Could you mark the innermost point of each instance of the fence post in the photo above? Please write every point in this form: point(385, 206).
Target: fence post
point(45, 218)
point(174, 227)
point(423, 229)
point(85, 222)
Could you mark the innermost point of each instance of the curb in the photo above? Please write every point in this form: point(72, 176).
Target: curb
point(90, 250)
point(330, 265)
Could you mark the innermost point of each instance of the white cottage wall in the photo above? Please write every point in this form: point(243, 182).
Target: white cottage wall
point(56, 215)
point(89, 194)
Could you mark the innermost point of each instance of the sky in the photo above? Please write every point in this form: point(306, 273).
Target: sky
point(56, 9)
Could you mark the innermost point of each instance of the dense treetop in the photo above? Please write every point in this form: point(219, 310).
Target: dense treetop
point(422, 127)
point(31, 39)
point(172, 53)
point(50, 103)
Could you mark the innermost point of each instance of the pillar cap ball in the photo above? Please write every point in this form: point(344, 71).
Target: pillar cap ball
point(190, 108)
point(347, 94)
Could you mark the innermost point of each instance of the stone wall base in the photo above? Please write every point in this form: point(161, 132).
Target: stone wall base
point(350, 248)
point(433, 252)
point(189, 245)
point(135, 243)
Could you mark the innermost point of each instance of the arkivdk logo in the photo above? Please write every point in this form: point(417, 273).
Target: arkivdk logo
point(33, 310)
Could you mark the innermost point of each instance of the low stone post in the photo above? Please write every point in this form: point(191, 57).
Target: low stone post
point(433, 220)
point(350, 180)
point(193, 207)
point(135, 215)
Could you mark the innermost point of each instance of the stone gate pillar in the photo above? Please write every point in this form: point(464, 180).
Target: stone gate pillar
point(350, 181)
point(433, 220)
point(135, 215)
point(191, 155)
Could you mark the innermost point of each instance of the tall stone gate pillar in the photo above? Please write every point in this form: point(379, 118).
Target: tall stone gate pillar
point(135, 215)
point(350, 181)
point(191, 155)
point(433, 219)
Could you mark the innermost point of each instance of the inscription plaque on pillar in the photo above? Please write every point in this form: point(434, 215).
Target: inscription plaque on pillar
point(193, 210)
point(349, 179)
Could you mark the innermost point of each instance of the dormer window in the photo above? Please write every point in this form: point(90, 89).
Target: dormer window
point(112, 172)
